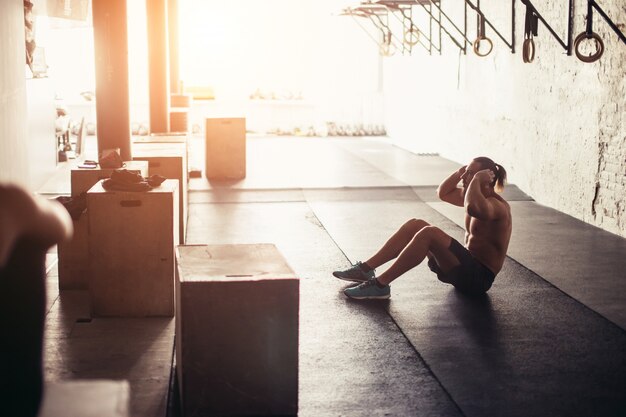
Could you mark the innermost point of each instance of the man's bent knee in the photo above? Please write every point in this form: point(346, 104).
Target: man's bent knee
point(415, 225)
point(435, 235)
point(439, 248)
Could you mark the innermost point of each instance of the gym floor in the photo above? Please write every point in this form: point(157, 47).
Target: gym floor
point(549, 338)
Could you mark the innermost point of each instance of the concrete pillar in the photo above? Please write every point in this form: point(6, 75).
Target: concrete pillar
point(158, 66)
point(111, 50)
point(172, 29)
point(14, 161)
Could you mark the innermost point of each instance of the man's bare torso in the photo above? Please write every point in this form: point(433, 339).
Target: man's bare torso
point(488, 240)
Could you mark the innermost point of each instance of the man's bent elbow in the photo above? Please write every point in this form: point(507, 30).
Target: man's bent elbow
point(443, 195)
point(476, 212)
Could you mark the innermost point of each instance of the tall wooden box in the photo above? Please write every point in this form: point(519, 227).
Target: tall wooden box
point(225, 148)
point(86, 398)
point(74, 254)
point(83, 179)
point(237, 312)
point(74, 257)
point(132, 236)
point(170, 161)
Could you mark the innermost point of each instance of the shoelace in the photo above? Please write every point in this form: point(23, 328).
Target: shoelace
point(370, 282)
point(357, 268)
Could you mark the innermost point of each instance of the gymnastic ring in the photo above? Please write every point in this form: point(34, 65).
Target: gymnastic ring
point(599, 47)
point(412, 36)
point(387, 49)
point(477, 46)
point(528, 50)
point(383, 49)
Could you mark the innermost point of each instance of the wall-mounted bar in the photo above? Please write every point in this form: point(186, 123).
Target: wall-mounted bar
point(377, 9)
point(590, 34)
point(430, 9)
point(355, 16)
point(387, 47)
point(476, 8)
point(374, 13)
point(462, 45)
point(567, 45)
point(594, 5)
point(412, 34)
point(404, 7)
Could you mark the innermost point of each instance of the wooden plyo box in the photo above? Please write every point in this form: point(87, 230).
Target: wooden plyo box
point(74, 257)
point(74, 254)
point(85, 398)
point(170, 161)
point(225, 148)
point(237, 313)
point(132, 238)
point(83, 179)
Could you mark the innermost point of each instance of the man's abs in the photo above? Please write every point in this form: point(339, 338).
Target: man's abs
point(486, 254)
point(488, 242)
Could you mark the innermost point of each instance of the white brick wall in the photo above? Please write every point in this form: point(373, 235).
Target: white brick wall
point(558, 125)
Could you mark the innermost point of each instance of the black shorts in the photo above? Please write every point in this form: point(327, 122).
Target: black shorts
point(471, 277)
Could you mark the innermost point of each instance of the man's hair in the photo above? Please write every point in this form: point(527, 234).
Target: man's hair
point(498, 170)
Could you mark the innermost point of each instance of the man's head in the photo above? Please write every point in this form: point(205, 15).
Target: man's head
point(480, 163)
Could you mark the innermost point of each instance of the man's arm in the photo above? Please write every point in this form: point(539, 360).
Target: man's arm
point(25, 215)
point(449, 191)
point(476, 204)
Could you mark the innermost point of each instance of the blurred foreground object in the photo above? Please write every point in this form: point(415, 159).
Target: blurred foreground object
point(29, 225)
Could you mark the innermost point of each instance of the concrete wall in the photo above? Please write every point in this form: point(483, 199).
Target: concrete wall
point(40, 124)
point(13, 134)
point(557, 125)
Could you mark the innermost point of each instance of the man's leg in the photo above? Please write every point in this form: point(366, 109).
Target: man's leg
point(396, 243)
point(361, 272)
point(428, 239)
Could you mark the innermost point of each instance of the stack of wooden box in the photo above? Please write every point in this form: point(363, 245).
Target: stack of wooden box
point(74, 254)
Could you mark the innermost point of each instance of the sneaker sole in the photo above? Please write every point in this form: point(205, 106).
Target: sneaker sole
point(348, 279)
point(372, 297)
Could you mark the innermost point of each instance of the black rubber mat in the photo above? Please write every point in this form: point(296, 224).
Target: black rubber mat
point(584, 261)
point(526, 349)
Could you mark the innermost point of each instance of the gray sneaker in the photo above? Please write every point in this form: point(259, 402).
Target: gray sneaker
point(368, 291)
point(354, 274)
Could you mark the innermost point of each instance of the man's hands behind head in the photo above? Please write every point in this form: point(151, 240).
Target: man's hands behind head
point(485, 176)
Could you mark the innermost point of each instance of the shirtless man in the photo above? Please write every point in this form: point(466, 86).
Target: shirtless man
point(470, 268)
